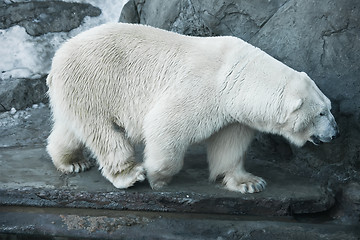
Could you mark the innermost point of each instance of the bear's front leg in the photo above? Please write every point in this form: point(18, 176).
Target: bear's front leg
point(226, 155)
point(162, 161)
point(165, 142)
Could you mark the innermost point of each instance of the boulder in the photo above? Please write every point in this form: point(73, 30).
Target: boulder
point(39, 18)
point(203, 18)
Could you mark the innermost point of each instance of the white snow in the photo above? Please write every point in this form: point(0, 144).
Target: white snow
point(24, 56)
point(12, 111)
point(13, 117)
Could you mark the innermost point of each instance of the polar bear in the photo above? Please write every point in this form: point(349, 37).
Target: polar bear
point(120, 84)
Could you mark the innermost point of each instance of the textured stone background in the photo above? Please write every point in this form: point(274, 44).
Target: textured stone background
point(321, 38)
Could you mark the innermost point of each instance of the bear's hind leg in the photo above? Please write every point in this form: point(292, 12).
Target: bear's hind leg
point(226, 155)
point(115, 155)
point(66, 150)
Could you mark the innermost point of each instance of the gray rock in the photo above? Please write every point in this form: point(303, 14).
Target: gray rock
point(348, 211)
point(202, 18)
point(180, 16)
point(22, 93)
point(29, 127)
point(39, 18)
point(323, 40)
point(129, 13)
point(65, 223)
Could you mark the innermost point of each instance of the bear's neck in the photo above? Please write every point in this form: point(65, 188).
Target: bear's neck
point(254, 89)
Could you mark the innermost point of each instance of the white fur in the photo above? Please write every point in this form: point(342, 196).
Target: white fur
point(120, 84)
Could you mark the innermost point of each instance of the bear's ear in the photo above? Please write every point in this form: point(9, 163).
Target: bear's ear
point(289, 108)
point(296, 105)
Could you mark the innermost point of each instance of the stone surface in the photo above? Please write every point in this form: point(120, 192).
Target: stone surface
point(29, 178)
point(348, 209)
point(29, 127)
point(39, 18)
point(22, 93)
point(54, 223)
point(202, 18)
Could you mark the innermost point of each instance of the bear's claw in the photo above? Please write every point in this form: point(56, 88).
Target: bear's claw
point(80, 166)
point(75, 167)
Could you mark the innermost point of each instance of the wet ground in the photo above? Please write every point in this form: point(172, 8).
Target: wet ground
point(37, 202)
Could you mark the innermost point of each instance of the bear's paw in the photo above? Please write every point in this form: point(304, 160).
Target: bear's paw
point(129, 177)
point(75, 167)
point(244, 183)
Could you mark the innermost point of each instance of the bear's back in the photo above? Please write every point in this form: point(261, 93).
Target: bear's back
point(119, 71)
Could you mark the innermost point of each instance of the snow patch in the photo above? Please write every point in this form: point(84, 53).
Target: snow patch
point(24, 56)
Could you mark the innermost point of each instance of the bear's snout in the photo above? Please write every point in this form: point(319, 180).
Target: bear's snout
point(333, 133)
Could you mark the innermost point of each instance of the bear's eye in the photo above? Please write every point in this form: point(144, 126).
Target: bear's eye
point(322, 114)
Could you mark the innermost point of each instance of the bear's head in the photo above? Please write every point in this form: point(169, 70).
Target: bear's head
point(266, 95)
point(307, 115)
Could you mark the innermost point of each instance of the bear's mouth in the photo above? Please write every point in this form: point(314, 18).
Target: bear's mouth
point(315, 140)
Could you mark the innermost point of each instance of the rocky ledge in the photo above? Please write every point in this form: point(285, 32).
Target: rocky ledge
point(38, 201)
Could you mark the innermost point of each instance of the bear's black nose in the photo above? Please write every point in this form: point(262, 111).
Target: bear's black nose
point(337, 132)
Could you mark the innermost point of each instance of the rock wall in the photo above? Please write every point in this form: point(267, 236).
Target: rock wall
point(31, 32)
point(320, 38)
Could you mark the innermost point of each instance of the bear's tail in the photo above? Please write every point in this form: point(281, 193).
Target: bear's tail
point(49, 80)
